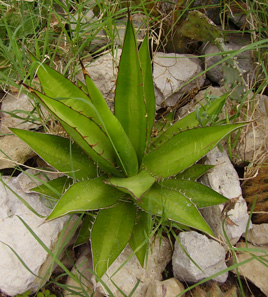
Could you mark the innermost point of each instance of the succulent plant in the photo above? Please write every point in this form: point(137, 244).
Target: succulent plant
point(198, 26)
point(114, 169)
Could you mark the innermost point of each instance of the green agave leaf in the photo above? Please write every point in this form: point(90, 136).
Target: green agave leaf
point(86, 195)
point(54, 188)
point(130, 108)
point(81, 86)
point(60, 153)
point(200, 195)
point(84, 232)
point(135, 185)
point(194, 172)
point(174, 206)
point(110, 234)
point(122, 146)
point(56, 86)
point(84, 131)
point(184, 149)
point(139, 240)
point(163, 122)
point(148, 85)
point(191, 120)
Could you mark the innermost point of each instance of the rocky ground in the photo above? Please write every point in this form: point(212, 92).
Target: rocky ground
point(169, 271)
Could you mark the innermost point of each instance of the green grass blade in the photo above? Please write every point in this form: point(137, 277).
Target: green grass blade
point(148, 85)
point(50, 253)
point(56, 151)
point(110, 234)
point(86, 195)
point(184, 149)
point(130, 108)
point(123, 148)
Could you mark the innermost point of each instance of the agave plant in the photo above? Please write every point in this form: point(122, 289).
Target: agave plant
point(113, 168)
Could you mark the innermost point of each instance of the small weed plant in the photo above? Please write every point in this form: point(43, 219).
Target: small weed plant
point(114, 170)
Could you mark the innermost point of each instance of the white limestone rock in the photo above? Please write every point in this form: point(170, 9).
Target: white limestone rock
point(103, 72)
point(168, 288)
point(21, 105)
point(252, 145)
point(171, 73)
point(13, 150)
point(126, 277)
point(208, 254)
point(254, 270)
point(81, 270)
point(258, 235)
point(14, 277)
point(224, 179)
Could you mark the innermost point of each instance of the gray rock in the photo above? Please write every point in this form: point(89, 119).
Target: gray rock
point(244, 59)
point(254, 270)
point(223, 179)
point(13, 151)
point(103, 72)
point(21, 105)
point(168, 288)
point(82, 19)
point(81, 270)
point(14, 277)
point(208, 254)
point(172, 72)
point(252, 145)
point(126, 276)
point(258, 235)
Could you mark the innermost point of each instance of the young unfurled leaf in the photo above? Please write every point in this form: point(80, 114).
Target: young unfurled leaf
point(124, 150)
point(148, 86)
point(130, 106)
